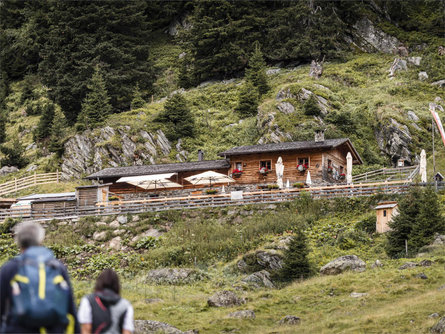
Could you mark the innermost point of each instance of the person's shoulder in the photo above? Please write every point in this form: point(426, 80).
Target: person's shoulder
point(126, 302)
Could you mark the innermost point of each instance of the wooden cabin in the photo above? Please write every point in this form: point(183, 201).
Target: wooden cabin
point(90, 195)
point(41, 207)
point(324, 159)
point(385, 211)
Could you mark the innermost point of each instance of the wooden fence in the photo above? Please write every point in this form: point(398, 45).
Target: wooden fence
point(28, 181)
point(387, 174)
point(190, 202)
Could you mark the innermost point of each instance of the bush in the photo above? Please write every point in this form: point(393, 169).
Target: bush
point(8, 225)
point(367, 225)
point(311, 107)
point(147, 243)
point(211, 191)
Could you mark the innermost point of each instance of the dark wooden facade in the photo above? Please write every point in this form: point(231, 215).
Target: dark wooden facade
point(90, 195)
point(39, 208)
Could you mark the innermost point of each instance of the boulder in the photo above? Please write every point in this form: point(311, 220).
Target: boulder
point(100, 236)
point(260, 279)
point(114, 224)
point(286, 108)
point(118, 232)
point(397, 65)
point(439, 328)
point(423, 76)
point(377, 264)
point(290, 320)
point(285, 94)
point(358, 294)
point(31, 168)
point(439, 240)
point(244, 314)
point(5, 170)
point(412, 116)
point(115, 243)
point(370, 39)
point(322, 103)
point(414, 60)
point(174, 276)
point(152, 232)
point(260, 260)
point(316, 69)
point(273, 71)
point(434, 315)
point(421, 276)
point(152, 327)
point(122, 219)
point(440, 83)
point(395, 140)
point(343, 263)
point(408, 265)
point(224, 299)
point(425, 263)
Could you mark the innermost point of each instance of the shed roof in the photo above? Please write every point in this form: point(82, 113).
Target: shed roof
point(293, 146)
point(59, 199)
point(46, 196)
point(386, 206)
point(160, 169)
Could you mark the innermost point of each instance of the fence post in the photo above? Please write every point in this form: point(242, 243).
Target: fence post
point(15, 184)
point(57, 175)
point(35, 178)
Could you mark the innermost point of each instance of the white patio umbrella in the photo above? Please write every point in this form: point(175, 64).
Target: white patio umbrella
point(423, 166)
point(209, 178)
point(308, 178)
point(279, 170)
point(156, 181)
point(349, 168)
point(287, 184)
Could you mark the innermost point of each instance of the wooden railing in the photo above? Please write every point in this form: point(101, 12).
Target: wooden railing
point(28, 181)
point(190, 202)
point(387, 174)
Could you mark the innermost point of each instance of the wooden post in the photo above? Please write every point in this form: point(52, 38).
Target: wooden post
point(15, 183)
point(57, 175)
point(35, 178)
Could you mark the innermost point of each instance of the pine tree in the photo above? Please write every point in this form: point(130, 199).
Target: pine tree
point(96, 106)
point(14, 154)
point(402, 225)
point(428, 222)
point(248, 100)
point(137, 101)
point(296, 264)
point(2, 127)
point(256, 70)
point(177, 118)
point(311, 107)
point(57, 133)
point(44, 127)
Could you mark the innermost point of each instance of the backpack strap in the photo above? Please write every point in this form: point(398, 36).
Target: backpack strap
point(101, 315)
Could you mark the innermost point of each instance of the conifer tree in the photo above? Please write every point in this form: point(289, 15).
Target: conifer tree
point(137, 101)
point(57, 133)
point(248, 100)
point(296, 264)
point(44, 127)
point(2, 126)
point(256, 70)
point(311, 107)
point(96, 105)
point(14, 154)
point(177, 118)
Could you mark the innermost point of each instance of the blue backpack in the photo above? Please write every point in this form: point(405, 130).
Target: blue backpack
point(40, 294)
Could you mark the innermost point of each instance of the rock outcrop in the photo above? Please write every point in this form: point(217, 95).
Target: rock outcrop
point(439, 328)
point(8, 170)
point(343, 263)
point(174, 276)
point(260, 260)
point(92, 151)
point(224, 299)
point(158, 327)
point(260, 279)
point(244, 314)
point(370, 39)
point(395, 139)
point(290, 320)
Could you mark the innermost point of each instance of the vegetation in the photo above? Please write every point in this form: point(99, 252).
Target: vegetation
point(14, 154)
point(296, 263)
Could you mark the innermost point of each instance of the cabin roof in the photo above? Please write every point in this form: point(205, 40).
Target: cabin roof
point(160, 169)
point(46, 196)
point(386, 206)
point(292, 146)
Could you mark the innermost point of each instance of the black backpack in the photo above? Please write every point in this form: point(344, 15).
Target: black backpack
point(101, 303)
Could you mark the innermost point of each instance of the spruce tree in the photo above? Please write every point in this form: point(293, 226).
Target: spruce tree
point(311, 107)
point(296, 264)
point(2, 126)
point(137, 101)
point(248, 100)
point(96, 105)
point(44, 127)
point(14, 154)
point(177, 118)
point(256, 70)
point(428, 222)
point(57, 133)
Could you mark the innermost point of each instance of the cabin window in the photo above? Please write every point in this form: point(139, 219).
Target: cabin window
point(266, 164)
point(239, 166)
point(303, 161)
point(384, 213)
point(341, 169)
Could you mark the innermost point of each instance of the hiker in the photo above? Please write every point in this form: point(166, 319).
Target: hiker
point(104, 311)
point(35, 290)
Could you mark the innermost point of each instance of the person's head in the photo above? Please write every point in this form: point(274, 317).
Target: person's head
point(108, 279)
point(28, 234)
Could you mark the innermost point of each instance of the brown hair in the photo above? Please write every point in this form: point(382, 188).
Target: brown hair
point(108, 279)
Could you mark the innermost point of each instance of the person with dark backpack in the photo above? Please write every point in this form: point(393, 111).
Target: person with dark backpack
point(35, 290)
point(104, 311)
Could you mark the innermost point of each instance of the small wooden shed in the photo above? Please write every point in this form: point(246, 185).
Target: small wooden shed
point(90, 195)
point(385, 211)
point(41, 207)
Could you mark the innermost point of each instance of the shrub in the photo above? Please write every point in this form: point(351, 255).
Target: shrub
point(8, 225)
point(367, 225)
point(211, 191)
point(147, 243)
point(298, 185)
point(311, 107)
point(272, 186)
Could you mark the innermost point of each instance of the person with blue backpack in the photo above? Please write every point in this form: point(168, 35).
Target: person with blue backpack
point(35, 289)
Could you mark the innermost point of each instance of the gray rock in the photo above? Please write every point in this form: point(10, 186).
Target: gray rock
point(244, 314)
point(174, 276)
point(114, 224)
point(440, 83)
point(425, 263)
point(122, 219)
point(273, 71)
point(118, 232)
point(414, 60)
point(100, 236)
point(422, 276)
point(358, 294)
point(343, 263)
point(8, 170)
point(412, 116)
point(290, 320)
point(397, 65)
point(439, 328)
point(224, 299)
point(321, 101)
point(285, 94)
point(286, 108)
point(423, 76)
point(115, 243)
point(152, 327)
point(316, 69)
point(434, 315)
point(439, 240)
point(259, 279)
point(377, 264)
point(402, 51)
point(152, 232)
point(395, 140)
point(370, 39)
point(31, 168)
point(408, 265)
point(252, 262)
point(152, 300)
